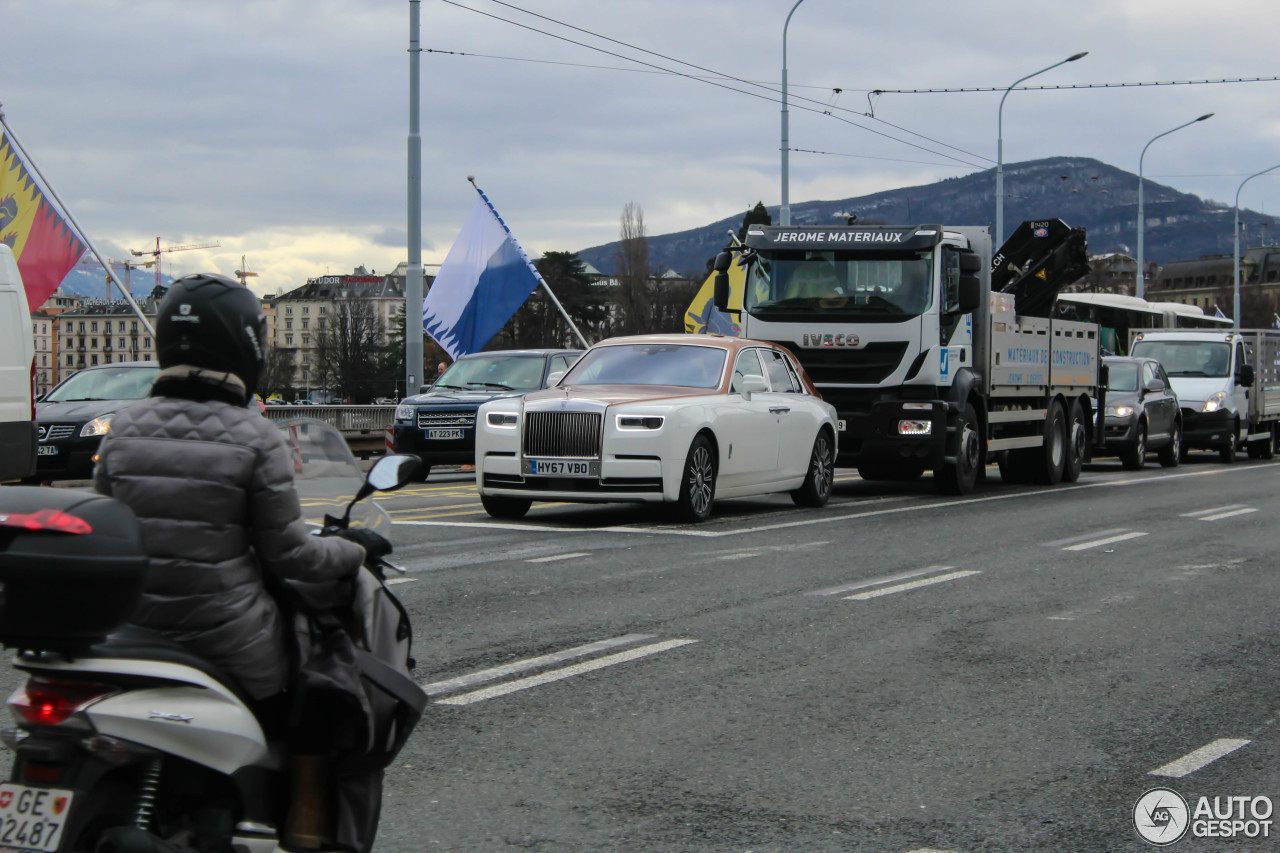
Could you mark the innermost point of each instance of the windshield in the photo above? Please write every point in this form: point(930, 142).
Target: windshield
point(105, 383)
point(502, 372)
point(868, 284)
point(1188, 358)
point(649, 364)
point(327, 475)
point(1122, 377)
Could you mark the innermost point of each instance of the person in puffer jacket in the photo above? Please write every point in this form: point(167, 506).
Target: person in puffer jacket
point(211, 482)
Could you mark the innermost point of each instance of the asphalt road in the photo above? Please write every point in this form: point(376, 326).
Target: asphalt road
point(895, 672)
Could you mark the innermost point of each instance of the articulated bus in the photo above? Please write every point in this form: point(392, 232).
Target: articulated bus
point(1118, 315)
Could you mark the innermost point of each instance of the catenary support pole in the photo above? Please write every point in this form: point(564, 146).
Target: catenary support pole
point(413, 275)
point(1235, 254)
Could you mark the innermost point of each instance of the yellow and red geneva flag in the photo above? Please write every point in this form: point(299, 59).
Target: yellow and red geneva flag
point(44, 245)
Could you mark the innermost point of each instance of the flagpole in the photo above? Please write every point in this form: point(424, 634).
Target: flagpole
point(542, 281)
point(31, 164)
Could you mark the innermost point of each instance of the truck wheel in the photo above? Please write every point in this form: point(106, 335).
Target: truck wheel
point(1014, 466)
point(1077, 444)
point(1053, 455)
point(697, 482)
point(959, 477)
point(816, 488)
point(1171, 454)
point(1134, 457)
point(1228, 454)
point(1269, 446)
point(1255, 448)
point(501, 507)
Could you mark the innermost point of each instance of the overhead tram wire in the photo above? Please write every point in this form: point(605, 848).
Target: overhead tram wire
point(719, 85)
point(1071, 86)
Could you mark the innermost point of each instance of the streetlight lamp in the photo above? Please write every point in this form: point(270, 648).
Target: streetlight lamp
point(1000, 144)
point(1142, 273)
point(1235, 255)
point(784, 215)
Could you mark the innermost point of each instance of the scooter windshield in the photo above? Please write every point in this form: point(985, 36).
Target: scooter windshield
point(327, 475)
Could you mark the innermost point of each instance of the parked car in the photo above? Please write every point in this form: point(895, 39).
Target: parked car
point(438, 425)
point(1142, 412)
point(74, 416)
point(679, 419)
point(17, 374)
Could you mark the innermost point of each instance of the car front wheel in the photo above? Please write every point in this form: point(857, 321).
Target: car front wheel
point(502, 507)
point(697, 482)
point(816, 488)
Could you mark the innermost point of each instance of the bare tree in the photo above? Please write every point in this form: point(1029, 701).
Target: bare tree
point(350, 356)
point(277, 372)
point(633, 273)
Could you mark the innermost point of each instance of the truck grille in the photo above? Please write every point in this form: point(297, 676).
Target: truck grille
point(867, 365)
point(566, 435)
point(428, 419)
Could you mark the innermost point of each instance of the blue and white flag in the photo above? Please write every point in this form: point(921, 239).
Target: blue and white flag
point(483, 280)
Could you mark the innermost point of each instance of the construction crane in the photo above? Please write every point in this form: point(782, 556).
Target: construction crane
point(157, 251)
point(243, 273)
point(119, 265)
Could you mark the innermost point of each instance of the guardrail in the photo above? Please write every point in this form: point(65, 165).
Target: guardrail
point(364, 427)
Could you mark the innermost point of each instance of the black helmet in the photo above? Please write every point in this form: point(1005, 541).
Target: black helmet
point(210, 321)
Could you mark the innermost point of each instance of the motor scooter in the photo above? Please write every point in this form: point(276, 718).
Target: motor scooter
point(126, 741)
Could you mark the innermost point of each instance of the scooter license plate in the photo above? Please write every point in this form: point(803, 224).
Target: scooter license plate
point(33, 818)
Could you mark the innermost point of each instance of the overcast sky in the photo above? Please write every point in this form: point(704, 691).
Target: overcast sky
point(278, 129)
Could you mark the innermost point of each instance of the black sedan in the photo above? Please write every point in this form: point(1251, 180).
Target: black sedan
point(73, 417)
point(439, 425)
point(1142, 412)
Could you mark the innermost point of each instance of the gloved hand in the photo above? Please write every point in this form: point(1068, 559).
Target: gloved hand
point(374, 544)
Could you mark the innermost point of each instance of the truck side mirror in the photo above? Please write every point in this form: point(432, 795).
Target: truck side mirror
point(969, 297)
point(720, 293)
point(1244, 377)
point(722, 262)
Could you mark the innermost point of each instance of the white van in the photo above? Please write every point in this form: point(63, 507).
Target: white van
point(17, 374)
point(1228, 385)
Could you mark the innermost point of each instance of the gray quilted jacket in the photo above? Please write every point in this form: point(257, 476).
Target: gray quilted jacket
point(212, 484)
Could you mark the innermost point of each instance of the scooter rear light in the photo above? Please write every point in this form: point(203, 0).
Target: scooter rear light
point(111, 750)
point(51, 703)
point(48, 520)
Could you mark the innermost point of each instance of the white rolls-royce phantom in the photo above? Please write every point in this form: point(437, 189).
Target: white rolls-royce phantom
point(681, 419)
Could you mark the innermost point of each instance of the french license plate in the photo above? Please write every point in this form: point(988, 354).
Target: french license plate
point(33, 818)
point(444, 433)
point(46, 450)
point(560, 468)
point(842, 425)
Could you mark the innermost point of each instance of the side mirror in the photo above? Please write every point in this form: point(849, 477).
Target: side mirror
point(1155, 386)
point(391, 472)
point(970, 293)
point(422, 389)
point(753, 383)
point(1244, 377)
point(554, 377)
point(720, 294)
point(722, 262)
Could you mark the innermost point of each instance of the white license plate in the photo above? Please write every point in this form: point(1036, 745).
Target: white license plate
point(842, 425)
point(444, 433)
point(46, 450)
point(560, 468)
point(32, 818)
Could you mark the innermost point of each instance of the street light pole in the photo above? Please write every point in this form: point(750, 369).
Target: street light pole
point(1235, 255)
point(413, 272)
point(784, 214)
point(1000, 144)
point(1142, 273)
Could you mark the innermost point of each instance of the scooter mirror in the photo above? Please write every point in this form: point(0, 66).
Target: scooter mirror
point(391, 472)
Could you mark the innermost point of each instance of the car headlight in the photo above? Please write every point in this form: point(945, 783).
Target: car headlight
point(404, 413)
point(97, 426)
point(1120, 411)
point(1214, 403)
point(640, 422)
point(505, 420)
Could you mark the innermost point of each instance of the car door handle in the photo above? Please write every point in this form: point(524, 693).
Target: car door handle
point(779, 410)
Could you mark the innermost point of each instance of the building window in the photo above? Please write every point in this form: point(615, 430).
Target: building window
point(82, 327)
point(288, 340)
point(121, 327)
point(122, 339)
point(146, 343)
point(93, 327)
point(69, 360)
point(93, 359)
point(322, 309)
point(306, 309)
point(106, 359)
point(306, 340)
point(146, 357)
point(306, 324)
point(288, 309)
point(288, 324)
point(134, 327)
point(93, 342)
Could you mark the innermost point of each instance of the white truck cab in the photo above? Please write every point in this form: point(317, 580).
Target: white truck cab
point(1227, 386)
point(17, 373)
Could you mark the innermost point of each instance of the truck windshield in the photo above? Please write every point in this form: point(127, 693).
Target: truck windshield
point(1188, 358)
point(867, 285)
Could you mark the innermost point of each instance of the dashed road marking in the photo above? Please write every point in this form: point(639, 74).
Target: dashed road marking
point(393, 581)
point(1220, 512)
point(1193, 761)
point(1106, 540)
point(905, 587)
point(527, 664)
point(561, 674)
point(554, 557)
point(850, 587)
point(1070, 540)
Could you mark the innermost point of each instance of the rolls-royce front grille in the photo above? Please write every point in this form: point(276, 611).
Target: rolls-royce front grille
point(563, 435)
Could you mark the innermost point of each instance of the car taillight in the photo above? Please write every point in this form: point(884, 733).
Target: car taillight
point(51, 703)
point(50, 520)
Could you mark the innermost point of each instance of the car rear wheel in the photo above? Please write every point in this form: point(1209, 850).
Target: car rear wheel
point(816, 488)
point(1171, 454)
point(1134, 457)
point(502, 507)
point(697, 482)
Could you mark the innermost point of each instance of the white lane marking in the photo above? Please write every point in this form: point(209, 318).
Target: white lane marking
point(929, 850)
point(828, 519)
point(561, 674)
point(1107, 540)
point(554, 557)
point(532, 663)
point(850, 587)
point(739, 555)
point(1211, 511)
point(1193, 761)
point(1222, 515)
point(904, 587)
point(1083, 536)
point(393, 581)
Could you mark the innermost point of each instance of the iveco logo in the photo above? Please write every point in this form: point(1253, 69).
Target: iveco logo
point(829, 340)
